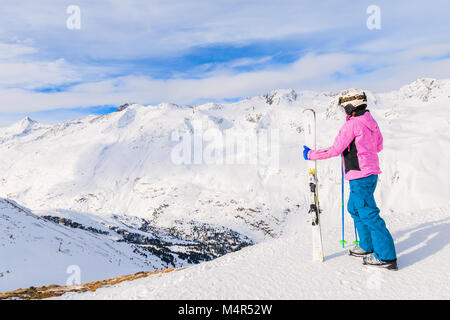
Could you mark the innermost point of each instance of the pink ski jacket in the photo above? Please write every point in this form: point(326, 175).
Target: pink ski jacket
point(359, 141)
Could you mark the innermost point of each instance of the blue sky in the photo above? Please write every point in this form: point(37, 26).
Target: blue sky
point(187, 52)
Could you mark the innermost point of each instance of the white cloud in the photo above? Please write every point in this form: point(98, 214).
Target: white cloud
point(335, 37)
point(19, 68)
point(217, 85)
point(8, 51)
point(394, 76)
point(134, 29)
point(310, 72)
point(31, 75)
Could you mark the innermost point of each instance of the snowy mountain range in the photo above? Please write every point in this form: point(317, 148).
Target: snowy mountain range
point(152, 187)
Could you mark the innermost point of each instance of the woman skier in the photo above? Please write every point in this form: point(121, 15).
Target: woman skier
point(359, 141)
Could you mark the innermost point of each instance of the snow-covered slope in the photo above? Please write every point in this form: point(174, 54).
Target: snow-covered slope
point(35, 251)
point(131, 167)
point(282, 269)
point(63, 246)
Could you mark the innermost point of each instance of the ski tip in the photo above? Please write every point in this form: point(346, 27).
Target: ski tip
point(309, 109)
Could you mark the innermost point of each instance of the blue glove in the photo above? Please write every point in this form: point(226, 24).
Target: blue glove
point(305, 152)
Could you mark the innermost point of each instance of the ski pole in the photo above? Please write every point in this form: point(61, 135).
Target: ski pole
point(342, 198)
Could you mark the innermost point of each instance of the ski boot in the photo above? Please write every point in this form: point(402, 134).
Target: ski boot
point(371, 261)
point(357, 251)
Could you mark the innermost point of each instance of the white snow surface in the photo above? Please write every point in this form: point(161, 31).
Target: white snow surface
point(123, 164)
point(282, 268)
point(35, 251)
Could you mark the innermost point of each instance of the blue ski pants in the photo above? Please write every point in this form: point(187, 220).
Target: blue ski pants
point(373, 234)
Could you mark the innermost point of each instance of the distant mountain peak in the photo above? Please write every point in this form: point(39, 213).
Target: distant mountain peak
point(122, 107)
point(423, 89)
point(276, 96)
point(23, 126)
point(27, 120)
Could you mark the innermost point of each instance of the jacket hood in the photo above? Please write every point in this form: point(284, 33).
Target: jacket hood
point(366, 119)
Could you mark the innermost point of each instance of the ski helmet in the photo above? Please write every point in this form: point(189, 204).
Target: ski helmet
point(353, 100)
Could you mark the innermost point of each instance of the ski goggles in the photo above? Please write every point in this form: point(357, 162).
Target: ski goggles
point(342, 100)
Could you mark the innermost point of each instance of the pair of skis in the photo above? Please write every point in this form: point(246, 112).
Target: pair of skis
point(314, 209)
